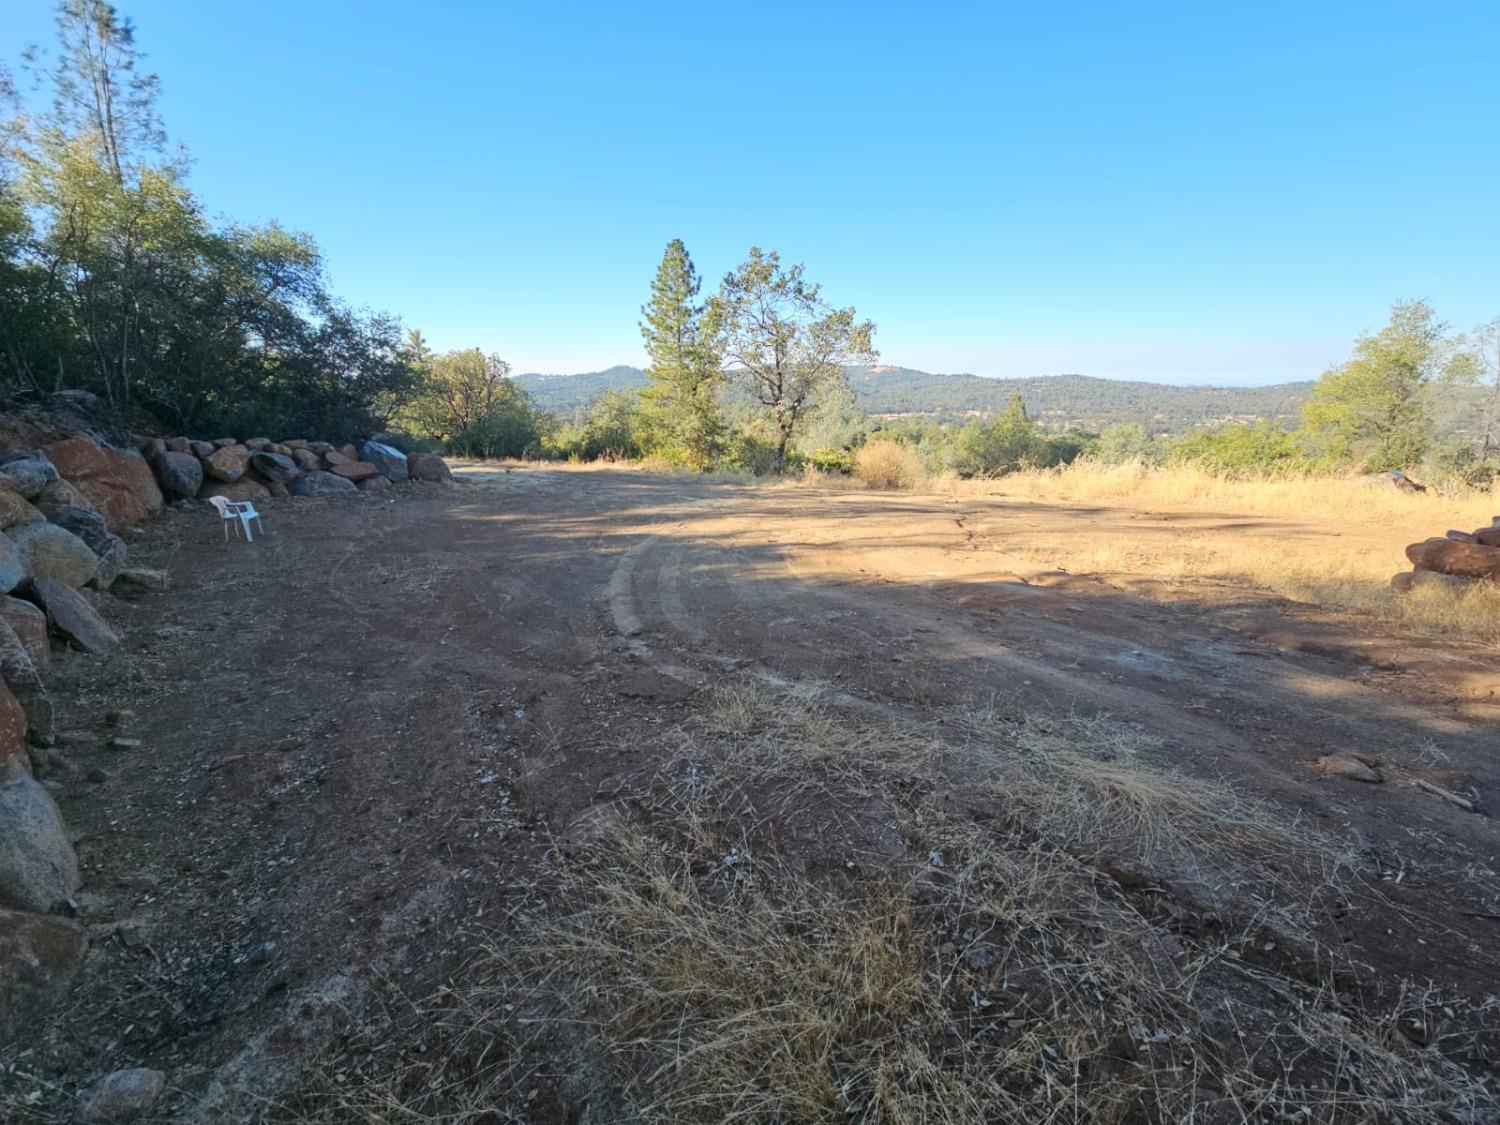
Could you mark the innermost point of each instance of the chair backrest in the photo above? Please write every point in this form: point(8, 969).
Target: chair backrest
point(220, 503)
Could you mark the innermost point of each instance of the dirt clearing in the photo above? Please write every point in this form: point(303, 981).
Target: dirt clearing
point(590, 796)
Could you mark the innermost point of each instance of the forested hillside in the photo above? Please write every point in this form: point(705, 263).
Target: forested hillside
point(1075, 400)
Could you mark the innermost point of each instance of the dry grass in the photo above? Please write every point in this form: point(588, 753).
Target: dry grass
point(997, 971)
point(1184, 488)
point(737, 951)
point(885, 464)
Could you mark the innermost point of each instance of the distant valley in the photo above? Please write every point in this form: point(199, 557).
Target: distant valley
point(1076, 401)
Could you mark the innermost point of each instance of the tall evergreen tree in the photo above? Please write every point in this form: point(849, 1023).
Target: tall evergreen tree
point(681, 412)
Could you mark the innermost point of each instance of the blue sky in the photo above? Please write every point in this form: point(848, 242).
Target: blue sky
point(1191, 193)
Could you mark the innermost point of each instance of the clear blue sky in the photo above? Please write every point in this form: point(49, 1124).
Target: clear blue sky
point(1195, 192)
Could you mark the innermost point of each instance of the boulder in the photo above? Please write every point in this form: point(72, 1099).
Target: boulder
point(307, 460)
point(112, 555)
point(30, 625)
point(28, 475)
point(50, 551)
point(320, 447)
point(355, 470)
point(321, 484)
point(121, 1096)
point(119, 483)
point(12, 567)
point(390, 461)
point(293, 444)
point(177, 445)
point(256, 444)
point(280, 450)
point(39, 957)
point(227, 463)
point(37, 865)
point(153, 449)
point(71, 616)
point(180, 474)
point(201, 449)
point(61, 494)
point(16, 510)
point(335, 457)
point(1447, 556)
point(13, 761)
point(377, 483)
point(243, 489)
point(30, 709)
point(278, 490)
point(428, 466)
point(274, 467)
point(224, 442)
point(350, 451)
point(1488, 537)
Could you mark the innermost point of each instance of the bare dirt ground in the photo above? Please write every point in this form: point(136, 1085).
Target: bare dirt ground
point(364, 734)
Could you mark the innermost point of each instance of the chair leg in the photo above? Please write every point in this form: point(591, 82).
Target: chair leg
point(225, 524)
point(245, 523)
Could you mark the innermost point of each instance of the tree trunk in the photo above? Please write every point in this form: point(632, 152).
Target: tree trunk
point(1447, 556)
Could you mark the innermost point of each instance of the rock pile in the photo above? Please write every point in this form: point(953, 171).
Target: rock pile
point(258, 468)
point(63, 504)
point(1456, 561)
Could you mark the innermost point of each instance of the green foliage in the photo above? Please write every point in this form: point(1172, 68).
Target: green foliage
point(113, 280)
point(1118, 444)
point(1375, 409)
point(839, 461)
point(466, 402)
point(1242, 451)
point(679, 414)
point(783, 344)
point(1003, 445)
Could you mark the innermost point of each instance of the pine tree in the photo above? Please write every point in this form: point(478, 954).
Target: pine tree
point(681, 412)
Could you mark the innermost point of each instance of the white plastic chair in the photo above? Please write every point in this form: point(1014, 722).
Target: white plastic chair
point(239, 513)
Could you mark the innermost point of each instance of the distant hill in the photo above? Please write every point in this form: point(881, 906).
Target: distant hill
point(1060, 400)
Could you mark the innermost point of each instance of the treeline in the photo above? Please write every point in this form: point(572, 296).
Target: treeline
point(1392, 405)
point(114, 280)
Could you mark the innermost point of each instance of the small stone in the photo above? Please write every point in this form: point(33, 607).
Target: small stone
point(122, 1096)
point(119, 719)
point(1351, 767)
point(142, 578)
point(377, 483)
point(125, 744)
point(98, 775)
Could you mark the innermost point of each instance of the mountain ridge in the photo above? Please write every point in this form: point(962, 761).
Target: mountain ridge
point(1062, 401)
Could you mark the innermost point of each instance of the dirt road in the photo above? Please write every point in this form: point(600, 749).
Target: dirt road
point(361, 732)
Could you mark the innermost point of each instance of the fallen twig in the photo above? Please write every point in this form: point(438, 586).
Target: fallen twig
point(1452, 798)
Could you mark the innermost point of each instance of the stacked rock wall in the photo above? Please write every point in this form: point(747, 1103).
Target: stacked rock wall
point(63, 505)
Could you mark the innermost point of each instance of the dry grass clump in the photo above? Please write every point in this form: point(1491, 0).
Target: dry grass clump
point(887, 464)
